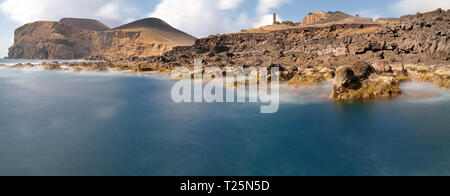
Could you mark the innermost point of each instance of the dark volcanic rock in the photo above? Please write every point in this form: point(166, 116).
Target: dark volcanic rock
point(362, 70)
point(382, 67)
point(359, 81)
point(345, 78)
point(418, 38)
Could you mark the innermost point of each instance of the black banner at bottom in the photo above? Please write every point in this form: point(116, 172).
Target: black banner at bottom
point(196, 185)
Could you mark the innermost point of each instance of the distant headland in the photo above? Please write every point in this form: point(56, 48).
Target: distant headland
point(74, 38)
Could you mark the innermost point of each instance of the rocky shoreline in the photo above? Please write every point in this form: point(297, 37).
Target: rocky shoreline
point(365, 61)
point(357, 81)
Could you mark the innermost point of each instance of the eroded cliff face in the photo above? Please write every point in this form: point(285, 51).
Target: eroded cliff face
point(46, 40)
point(62, 40)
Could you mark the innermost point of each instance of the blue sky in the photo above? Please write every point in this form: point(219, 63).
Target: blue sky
point(197, 17)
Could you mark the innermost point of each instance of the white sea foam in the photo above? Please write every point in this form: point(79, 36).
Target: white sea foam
point(419, 92)
point(414, 91)
point(307, 94)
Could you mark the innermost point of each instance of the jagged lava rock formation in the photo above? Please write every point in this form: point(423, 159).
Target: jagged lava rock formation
point(81, 38)
point(360, 81)
point(421, 38)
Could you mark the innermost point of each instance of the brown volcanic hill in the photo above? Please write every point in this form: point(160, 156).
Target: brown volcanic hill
point(317, 19)
point(77, 39)
point(334, 17)
point(86, 24)
point(337, 17)
point(150, 23)
point(314, 18)
point(159, 31)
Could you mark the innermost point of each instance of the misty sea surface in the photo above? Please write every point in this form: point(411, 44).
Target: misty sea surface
point(113, 124)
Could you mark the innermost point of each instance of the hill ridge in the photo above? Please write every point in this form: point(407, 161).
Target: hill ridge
point(85, 23)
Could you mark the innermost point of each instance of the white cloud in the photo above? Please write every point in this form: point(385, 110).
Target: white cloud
point(109, 11)
point(197, 17)
point(205, 17)
point(265, 20)
point(413, 6)
point(5, 43)
point(229, 4)
point(116, 13)
point(266, 6)
point(25, 11)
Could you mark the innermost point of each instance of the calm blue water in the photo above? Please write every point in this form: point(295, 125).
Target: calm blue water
point(100, 124)
point(16, 61)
